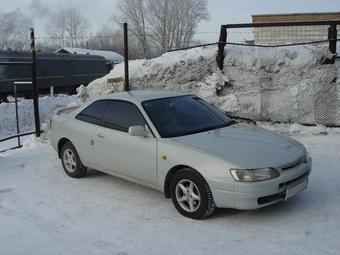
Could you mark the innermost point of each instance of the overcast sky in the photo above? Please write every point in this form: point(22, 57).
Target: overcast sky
point(221, 11)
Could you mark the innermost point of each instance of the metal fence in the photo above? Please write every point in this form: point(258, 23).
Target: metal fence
point(35, 103)
point(287, 83)
point(18, 120)
point(288, 72)
point(284, 72)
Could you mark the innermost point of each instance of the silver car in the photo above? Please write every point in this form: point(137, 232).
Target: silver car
point(181, 145)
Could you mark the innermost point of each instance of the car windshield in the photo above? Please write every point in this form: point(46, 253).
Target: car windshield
point(184, 115)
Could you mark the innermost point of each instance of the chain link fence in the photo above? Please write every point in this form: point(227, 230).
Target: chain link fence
point(292, 79)
point(279, 74)
point(25, 111)
point(286, 83)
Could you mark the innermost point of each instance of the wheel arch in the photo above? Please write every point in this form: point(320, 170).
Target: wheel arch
point(171, 173)
point(61, 143)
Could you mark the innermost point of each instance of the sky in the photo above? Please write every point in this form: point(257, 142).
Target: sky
point(99, 12)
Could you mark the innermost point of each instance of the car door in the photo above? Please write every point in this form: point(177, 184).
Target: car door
point(118, 152)
point(82, 129)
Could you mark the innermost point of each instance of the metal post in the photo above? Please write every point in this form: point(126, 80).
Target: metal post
point(34, 86)
point(16, 113)
point(126, 58)
point(332, 36)
point(51, 91)
point(221, 44)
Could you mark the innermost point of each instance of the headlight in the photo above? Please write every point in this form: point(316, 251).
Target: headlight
point(253, 175)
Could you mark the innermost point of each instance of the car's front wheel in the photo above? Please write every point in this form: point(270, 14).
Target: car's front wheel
point(71, 161)
point(191, 194)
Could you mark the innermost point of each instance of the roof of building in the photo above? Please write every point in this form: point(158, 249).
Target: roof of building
point(297, 13)
point(108, 55)
point(139, 96)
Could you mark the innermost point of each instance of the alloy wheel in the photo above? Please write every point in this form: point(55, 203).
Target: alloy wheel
point(188, 195)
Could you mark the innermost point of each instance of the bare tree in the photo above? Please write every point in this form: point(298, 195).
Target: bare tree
point(106, 38)
point(134, 12)
point(160, 25)
point(67, 27)
point(109, 38)
point(14, 30)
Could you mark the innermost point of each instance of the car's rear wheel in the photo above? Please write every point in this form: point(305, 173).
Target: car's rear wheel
point(191, 194)
point(71, 161)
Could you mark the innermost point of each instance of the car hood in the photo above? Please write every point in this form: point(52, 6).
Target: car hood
point(246, 146)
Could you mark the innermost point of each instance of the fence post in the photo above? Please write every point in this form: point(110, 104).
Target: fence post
point(126, 58)
point(34, 86)
point(16, 113)
point(332, 38)
point(221, 44)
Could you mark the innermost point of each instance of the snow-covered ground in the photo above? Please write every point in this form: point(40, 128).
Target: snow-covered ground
point(43, 211)
point(12, 143)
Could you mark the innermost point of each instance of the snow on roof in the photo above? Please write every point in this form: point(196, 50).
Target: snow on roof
point(294, 14)
point(108, 55)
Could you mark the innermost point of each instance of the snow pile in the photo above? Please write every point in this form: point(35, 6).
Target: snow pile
point(26, 113)
point(288, 84)
point(184, 70)
point(298, 129)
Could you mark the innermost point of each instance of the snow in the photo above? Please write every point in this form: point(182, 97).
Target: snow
point(43, 211)
point(298, 129)
point(108, 55)
point(287, 84)
point(26, 116)
point(11, 143)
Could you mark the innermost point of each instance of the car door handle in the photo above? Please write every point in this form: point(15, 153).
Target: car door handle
point(101, 135)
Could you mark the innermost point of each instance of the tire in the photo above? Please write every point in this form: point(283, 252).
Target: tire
point(191, 194)
point(71, 161)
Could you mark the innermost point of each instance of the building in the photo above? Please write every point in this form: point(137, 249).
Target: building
point(112, 58)
point(297, 34)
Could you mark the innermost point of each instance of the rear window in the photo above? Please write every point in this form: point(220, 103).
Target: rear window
point(94, 113)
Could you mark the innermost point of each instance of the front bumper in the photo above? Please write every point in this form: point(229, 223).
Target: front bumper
point(253, 195)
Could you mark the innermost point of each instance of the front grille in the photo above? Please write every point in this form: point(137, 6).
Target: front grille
point(295, 164)
point(281, 195)
point(288, 183)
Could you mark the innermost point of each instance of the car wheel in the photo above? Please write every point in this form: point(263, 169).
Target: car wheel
point(71, 161)
point(191, 194)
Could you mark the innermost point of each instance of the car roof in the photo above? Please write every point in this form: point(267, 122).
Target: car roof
point(139, 96)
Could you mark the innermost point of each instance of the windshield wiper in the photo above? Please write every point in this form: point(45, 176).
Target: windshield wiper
point(203, 129)
point(231, 122)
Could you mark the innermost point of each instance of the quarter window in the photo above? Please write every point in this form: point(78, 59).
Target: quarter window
point(94, 113)
point(122, 115)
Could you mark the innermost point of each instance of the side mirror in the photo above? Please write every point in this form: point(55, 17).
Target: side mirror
point(137, 131)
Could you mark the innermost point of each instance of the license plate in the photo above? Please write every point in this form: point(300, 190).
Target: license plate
point(296, 189)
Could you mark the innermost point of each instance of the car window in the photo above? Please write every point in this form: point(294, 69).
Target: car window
point(94, 113)
point(183, 115)
point(121, 115)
